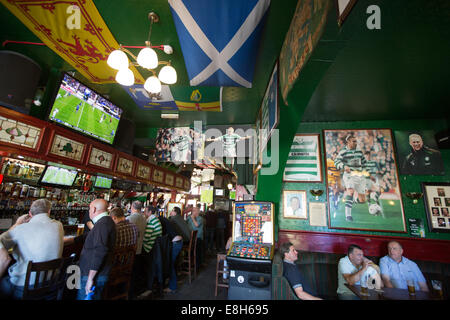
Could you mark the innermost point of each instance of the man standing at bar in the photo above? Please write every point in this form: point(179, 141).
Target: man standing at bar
point(140, 221)
point(396, 269)
point(34, 237)
point(153, 230)
point(97, 253)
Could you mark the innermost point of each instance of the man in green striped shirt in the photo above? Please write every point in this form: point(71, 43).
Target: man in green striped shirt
point(153, 230)
point(351, 162)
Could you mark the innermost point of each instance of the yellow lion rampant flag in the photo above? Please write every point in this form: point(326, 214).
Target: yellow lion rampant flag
point(75, 31)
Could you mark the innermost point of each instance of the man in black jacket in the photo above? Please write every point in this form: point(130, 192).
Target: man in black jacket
point(422, 159)
point(97, 253)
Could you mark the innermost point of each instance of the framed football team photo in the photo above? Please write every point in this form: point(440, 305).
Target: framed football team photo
point(303, 163)
point(362, 181)
point(294, 204)
point(436, 206)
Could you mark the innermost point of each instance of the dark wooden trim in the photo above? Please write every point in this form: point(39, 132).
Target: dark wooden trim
point(373, 245)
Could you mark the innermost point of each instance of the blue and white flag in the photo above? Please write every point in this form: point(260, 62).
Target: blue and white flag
point(219, 39)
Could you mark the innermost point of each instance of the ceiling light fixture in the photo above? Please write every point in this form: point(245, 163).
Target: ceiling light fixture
point(169, 115)
point(147, 59)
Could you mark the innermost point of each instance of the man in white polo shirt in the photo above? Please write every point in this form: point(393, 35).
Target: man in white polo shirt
point(353, 268)
point(34, 237)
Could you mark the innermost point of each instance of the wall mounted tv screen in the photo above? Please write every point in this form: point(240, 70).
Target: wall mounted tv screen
point(59, 176)
point(102, 182)
point(80, 108)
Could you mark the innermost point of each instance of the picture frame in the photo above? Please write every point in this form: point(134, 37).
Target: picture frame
point(418, 153)
point(304, 162)
point(295, 204)
point(436, 197)
point(363, 188)
point(269, 111)
point(171, 205)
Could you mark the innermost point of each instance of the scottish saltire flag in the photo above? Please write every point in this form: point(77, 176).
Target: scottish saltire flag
point(219, 39)
point(303, 163)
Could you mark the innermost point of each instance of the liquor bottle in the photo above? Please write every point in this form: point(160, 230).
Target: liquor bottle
point(26, 169)
point(6, 167)
point(24, 192)
point(11, 168)
point(17, 169)
point(30, 172)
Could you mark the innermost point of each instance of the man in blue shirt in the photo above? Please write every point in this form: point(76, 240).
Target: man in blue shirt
point(293, 274)
point(396, 269)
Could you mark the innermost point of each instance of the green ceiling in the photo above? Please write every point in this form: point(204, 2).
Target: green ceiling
point(401, 71)
point(128, 22)
point(398, 72)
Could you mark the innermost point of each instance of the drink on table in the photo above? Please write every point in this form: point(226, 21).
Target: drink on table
point(411, 287)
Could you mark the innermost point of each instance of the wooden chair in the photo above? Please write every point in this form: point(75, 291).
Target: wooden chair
point(118, 285)
point(68, 261)
point(220, 269)
point(189, 264)
point(47, 281)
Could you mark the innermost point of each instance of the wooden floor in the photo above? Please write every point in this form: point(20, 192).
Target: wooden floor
point(201, 288)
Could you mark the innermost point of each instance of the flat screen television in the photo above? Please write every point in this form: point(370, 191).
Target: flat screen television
point(102, 182)
point(59, 176)
point(80, 108)
point(219, 192)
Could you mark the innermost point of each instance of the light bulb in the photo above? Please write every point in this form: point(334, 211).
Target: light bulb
point(118, 60)
point(168, 75)
point(152, 85)
point(147, 58)
point(125, 77)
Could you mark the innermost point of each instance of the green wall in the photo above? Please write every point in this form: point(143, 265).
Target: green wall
point(407, 183)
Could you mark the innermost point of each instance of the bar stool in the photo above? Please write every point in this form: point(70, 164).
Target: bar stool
point(118, 285)
point(220, 269)
point(189, 263)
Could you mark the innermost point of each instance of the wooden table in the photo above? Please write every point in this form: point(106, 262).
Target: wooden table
point(392, 294)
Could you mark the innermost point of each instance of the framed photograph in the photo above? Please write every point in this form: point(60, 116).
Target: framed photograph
point(362, 181)
point(303, 163)
point(269, 109)
point(436, 205)
point(171, 205)
point(418, 153)
point(294, 204)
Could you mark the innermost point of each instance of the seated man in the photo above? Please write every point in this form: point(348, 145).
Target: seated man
point(352, 269)
point(126, 231)
point(34, 237)
point(293, 274)
point(396, 269)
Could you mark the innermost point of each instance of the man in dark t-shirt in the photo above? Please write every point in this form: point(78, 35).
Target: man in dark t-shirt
point(293, 274)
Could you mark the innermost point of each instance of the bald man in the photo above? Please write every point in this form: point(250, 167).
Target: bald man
point(422, 159)
point(97, 253)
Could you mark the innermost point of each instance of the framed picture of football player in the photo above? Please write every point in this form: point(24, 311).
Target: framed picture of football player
point(362, 181)
point(418, 153)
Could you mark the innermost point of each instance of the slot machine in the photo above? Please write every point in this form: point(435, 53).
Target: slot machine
point(250, 255)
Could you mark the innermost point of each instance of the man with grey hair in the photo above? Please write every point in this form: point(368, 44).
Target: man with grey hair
point(422, 159)
point(140, 221)
point(396, 269)
point(34, 237)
